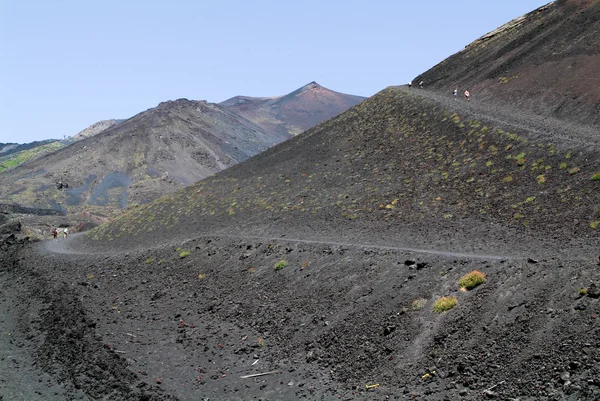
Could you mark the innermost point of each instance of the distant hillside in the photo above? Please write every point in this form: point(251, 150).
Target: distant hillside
point(7, 149)
point(295, 112)
point(15, 154)
point(93, 129)
point(546, 62)
point(153, 153)
point(12, 155)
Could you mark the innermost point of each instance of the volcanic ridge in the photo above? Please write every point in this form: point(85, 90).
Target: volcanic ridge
point(412, 247)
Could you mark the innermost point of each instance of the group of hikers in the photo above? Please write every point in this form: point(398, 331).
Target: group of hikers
point(55, 233)
point(454, 93)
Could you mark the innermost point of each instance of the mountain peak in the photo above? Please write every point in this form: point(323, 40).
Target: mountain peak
point(310, 86)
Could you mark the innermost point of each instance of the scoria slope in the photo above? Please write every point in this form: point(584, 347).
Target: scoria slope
point(545, 62)
point(398, 157)
point(295, 112)
point(317, 265)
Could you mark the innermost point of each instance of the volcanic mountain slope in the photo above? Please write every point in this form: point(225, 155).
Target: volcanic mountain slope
point(12, 155)
point(546, 62)
point(314, 269)
point(322, 259)
point(399, 157)
point(10, 148)
point(150, 154)
point(295, 112)
point(94, 129)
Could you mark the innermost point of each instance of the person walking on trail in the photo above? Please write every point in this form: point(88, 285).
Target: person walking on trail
point(467, 96)
point(421, 84)
point(455, 93)
point(66, 232)
point(54, 233)
point(409, 84)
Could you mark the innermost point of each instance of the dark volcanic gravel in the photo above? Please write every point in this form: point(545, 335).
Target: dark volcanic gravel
point(182, 298)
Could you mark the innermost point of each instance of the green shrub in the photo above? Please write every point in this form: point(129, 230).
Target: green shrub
point(583, 291)
point(183, 254)
point(444, 304)
point(596, 177)
point(574, 170)
point(594, 224)
point(149, 260)
point(472, 280)
point(281, 264)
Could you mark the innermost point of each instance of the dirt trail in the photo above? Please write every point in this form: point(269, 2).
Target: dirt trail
point(67, 247)
point(544, 127)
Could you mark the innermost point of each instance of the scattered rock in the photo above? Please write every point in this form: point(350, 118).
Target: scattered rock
point(389, 330)
point(593, 291)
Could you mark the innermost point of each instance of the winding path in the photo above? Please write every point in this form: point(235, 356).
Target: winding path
point(548, 128)
point(62, 246)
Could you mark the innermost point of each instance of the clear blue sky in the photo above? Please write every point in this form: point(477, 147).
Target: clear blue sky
point(67, 64)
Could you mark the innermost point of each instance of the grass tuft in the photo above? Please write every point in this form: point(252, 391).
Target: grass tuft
point(444, 304)
point(596, 177)
point(281, 264)
point(472, 280)
point(183, 254)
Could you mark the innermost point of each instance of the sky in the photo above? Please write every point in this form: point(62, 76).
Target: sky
point(66, 64)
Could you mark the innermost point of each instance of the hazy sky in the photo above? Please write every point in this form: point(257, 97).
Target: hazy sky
point(66, 64)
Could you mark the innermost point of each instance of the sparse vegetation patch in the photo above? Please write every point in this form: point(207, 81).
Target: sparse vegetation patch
point(472, 280)
point(444, 304)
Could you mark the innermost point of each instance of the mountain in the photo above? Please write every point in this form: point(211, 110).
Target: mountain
point(330, 253)
point(94, 129)
point(323, 258)
point(153, 153)
point(338, 265)
point(12, 155)
point(295, 112)
point(7, 149)
point(545, 62)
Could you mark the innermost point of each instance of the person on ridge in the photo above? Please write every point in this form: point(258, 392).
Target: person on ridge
point(467, 96)
point(66, 232)
point(54, 233)
point(409, 84)
point(421, 84)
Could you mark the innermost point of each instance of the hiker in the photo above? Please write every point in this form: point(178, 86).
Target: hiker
point(54, 233)
point(66, 232)
point(409, 84)
point(455, 93)
point(467, 96)
point(421, 84)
